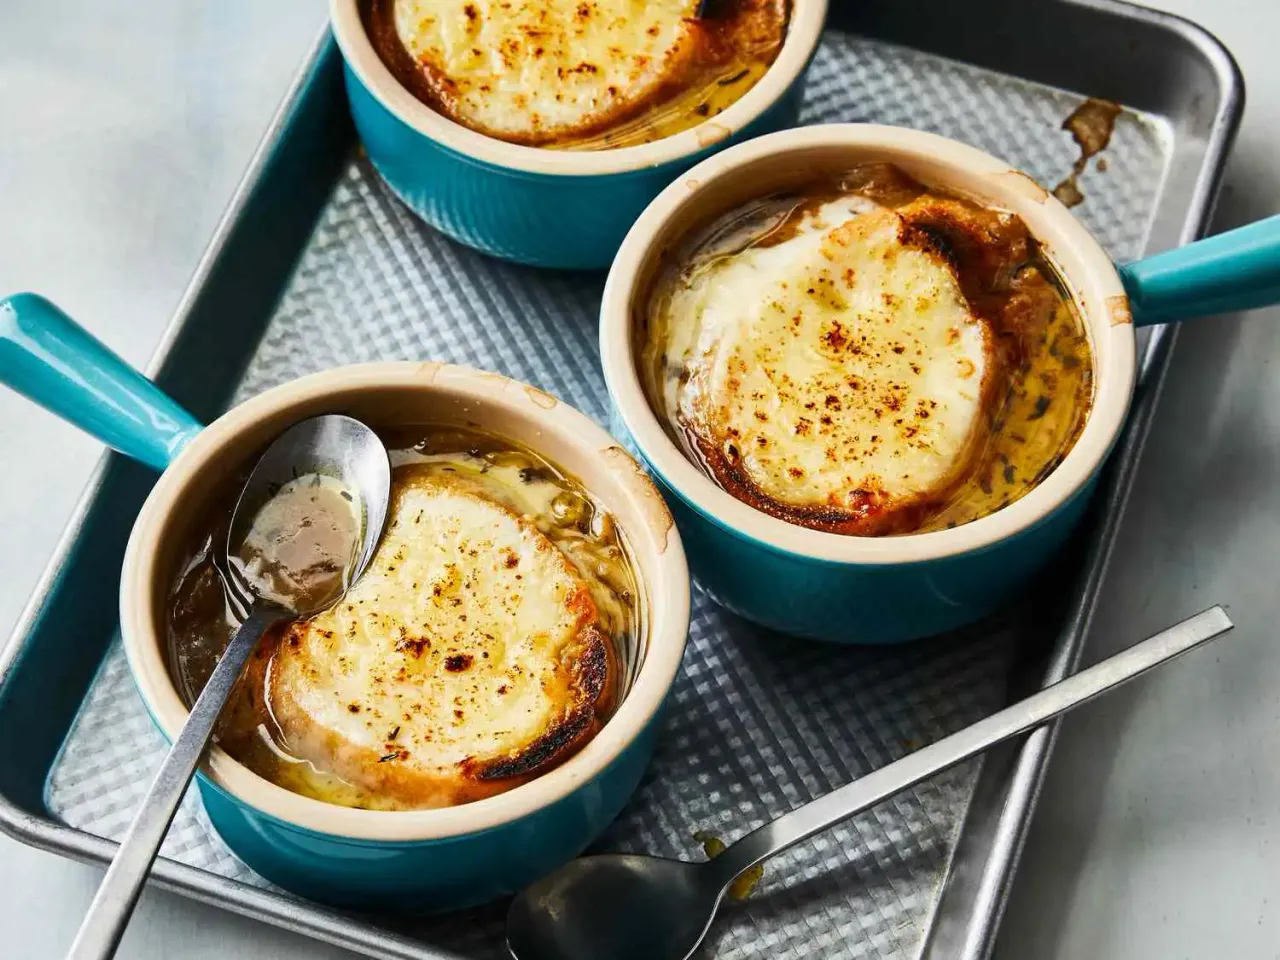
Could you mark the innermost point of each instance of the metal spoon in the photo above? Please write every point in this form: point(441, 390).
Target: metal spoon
point(647, 908)
point(335, 447)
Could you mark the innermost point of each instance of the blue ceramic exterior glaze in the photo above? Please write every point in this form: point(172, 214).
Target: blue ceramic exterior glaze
point(858, 603)
point(543, 220)
point(863, 603)
point(428, 876)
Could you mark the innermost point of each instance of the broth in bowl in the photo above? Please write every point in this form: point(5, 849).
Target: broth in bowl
point(493, 634)
point(866, 356)
point(577, 74)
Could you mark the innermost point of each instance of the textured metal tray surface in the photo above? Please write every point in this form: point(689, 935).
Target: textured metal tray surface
point(314, 265)
point(758, 723)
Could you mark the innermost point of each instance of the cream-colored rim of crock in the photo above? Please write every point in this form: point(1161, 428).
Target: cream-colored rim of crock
point(803, 32)
point(636, 504)
point(1087, 270)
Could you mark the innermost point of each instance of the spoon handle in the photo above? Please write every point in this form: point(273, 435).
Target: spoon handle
point(109, 913)
point(1025, 715)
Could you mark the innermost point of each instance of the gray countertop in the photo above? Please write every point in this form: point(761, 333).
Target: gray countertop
point(125, 128)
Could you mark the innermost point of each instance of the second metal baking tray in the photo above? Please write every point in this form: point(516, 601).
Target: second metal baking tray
point(316, 264)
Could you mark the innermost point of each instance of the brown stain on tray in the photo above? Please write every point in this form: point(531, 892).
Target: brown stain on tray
point(745, 883)
point(1091, 125)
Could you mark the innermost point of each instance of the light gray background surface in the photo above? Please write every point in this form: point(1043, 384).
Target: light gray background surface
point(123, 131)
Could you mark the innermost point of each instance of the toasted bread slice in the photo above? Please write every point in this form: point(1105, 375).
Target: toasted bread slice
point(467, 659)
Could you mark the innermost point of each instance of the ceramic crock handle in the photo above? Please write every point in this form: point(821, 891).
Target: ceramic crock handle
point(1236, 270)
point(48, 357)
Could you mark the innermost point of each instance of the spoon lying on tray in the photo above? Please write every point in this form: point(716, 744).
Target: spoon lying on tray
point(304, 529)
point(627, 907)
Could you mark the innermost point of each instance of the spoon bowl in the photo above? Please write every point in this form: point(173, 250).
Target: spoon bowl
point(665, 908)
point(340, 449)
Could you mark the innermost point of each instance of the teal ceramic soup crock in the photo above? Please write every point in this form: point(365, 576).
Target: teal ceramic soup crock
point(545, 207)
point(853, 589)
point(397, 861)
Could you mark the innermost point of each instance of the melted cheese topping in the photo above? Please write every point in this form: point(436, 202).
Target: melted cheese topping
point(535, 70)
point(837, 375)
point(465, 659)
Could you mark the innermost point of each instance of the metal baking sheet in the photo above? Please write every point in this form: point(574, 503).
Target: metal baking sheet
point(316, 264)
